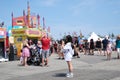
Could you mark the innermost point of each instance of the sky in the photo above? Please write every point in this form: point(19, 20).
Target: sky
point(68, 16)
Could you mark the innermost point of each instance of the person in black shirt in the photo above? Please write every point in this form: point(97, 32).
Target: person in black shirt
point(11, 53)
point(105, 42)
point(91, 45)
point(99, 45)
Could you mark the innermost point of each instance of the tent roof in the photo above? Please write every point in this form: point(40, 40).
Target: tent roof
point(93, 36)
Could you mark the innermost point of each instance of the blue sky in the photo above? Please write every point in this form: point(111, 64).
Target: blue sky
point(99, 16)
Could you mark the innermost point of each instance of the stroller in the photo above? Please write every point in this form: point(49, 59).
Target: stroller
point(35, 57)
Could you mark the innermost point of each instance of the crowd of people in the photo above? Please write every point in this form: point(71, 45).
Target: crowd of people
point(67, 48)
point(101, 46)
point(30, 51)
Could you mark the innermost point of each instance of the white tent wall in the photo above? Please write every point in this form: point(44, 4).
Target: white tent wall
point(94, 37)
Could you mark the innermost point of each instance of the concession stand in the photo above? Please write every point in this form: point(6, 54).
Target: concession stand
point(24, 33)
point(3, 42)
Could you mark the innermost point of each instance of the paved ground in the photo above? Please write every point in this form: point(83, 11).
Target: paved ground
point(86, 67)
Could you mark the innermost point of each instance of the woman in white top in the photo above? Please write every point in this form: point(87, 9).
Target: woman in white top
point(109, 50)
point(68, 53)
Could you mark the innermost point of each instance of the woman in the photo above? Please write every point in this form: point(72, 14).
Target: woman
point(76, 49)
point(109, 50)
point(25, 52)
point(68, 53)
point(86, 47)
point(60, 49)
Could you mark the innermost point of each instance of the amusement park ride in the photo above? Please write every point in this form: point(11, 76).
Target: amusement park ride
point(29, 29)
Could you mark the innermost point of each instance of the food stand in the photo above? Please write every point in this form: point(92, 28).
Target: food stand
point(24, 33)
point(3, 42)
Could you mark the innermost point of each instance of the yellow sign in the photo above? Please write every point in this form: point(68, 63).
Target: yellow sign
point(33, 33)
point(18, 32)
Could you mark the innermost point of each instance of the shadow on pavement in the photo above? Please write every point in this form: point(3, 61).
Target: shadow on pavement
point(59, 75)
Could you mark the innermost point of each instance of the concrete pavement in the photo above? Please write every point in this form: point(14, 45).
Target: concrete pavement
point(87, 67)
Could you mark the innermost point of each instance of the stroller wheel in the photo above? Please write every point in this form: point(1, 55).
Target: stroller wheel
point(37, 63)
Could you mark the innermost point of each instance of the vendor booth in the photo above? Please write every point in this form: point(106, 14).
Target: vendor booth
point(21, 34)
point(3, 42)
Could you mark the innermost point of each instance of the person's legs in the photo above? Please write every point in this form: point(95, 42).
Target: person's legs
point(100, 51)
point(59, 55)
point(62, 55)
point(110, 55)
point(26, 61)
point(118, 53)
point(107, 55)
point(23, 63)
point(78, 52)
point(43, 57)
point(46, 57)
point(70, 68)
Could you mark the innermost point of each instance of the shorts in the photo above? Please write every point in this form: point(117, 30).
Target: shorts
point(45, 53)
point(118, 50)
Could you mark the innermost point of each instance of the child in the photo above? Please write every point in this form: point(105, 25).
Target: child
point(21, 58)
point(68, 53)
point(109, 50)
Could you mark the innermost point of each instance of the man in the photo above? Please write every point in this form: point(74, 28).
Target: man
point(45, 49)
point(105, 42)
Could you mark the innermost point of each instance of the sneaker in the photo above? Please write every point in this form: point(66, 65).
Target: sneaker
point(62, 58)
point(46, 65)
point(69, 75)
point(42, 65)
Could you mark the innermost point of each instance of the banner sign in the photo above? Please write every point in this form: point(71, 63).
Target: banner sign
point(2, 33)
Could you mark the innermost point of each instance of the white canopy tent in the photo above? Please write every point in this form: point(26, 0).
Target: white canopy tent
point(94, 37)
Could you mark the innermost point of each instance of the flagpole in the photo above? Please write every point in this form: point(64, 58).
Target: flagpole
point(24, 16)
point(12, 19)
point(43, 23)
point(38, 18)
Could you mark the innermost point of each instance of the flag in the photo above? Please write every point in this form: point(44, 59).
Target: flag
point(43, 23)
point(12, 19)
point(33, 21)
point(24, 15)
point(38, 19)
point(2, 24)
